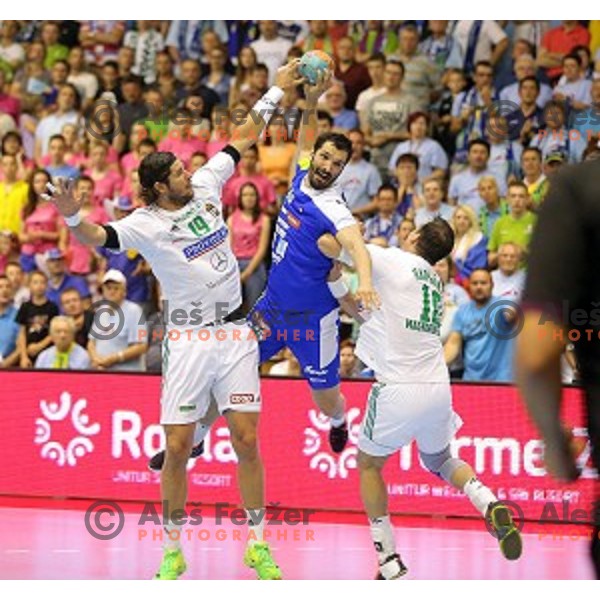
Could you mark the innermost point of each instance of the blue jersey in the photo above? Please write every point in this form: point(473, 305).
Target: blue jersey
point(298, 277)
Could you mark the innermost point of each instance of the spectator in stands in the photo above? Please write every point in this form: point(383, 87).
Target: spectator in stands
point(12, 54)
point(359, 180)
point(9, 103)
point(505, 154)
point(406, 227)
point(470, 108)
point(559, 42)
point(107, 181)
point(469, 253)
point(464, 185)
point(319, 38)
point(271, 49)
point(131, 161)
point(191, 78)
point(533, 176)
point(43, 227)
point(220, 135)
point(12, 145)
point(16, 276)
point(433, 203)
point(487, 356)
point(586, 121)
point(421, 76)
point(409, 188)
point(376, 38)
point(387, 117)
point(573, 87)
point(344, 118)
point(241, 82)
point(557, 138)
point(375, 67)
point(165, 81)
point(146, 42)
point(9, 328)
point(110, 83)
point(124, 350)
point(387, 220)
point(509, 278)
point(525, 68)
point(57, 167)
point(64, 352)
point(248, 172)
point(479, 41)
point(528, 119)
point(59, 74)
point(440, 47)
point(67, 104)
point(101, 40)
point(184, 38)
point(349, 363)
point(13, 196)
point(130, 262)
point(217, 79)
point(454, 83)
point(433, 160)
point(85, 82)
point(324, 122)
point(181, 141)
point(453, 296)
point(250, 231)
point(133, 108)
point(31, 80)
point(71, 305)
point(352, 74)
point(34, 317)
point(494, 208)
point(516, 227)
point(9, 249)
point(276, 155)
point(60, 279)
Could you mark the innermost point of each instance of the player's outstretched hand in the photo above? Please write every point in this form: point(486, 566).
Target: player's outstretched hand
point(312, 93)
point(368, 298)
point(63, 197)
point(288, 76)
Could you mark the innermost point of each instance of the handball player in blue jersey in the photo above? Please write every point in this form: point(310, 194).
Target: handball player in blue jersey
point(298, 309)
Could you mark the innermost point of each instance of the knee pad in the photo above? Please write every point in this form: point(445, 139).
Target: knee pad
point(442, 464)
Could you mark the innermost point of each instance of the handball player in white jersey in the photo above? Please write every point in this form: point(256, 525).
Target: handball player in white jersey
point(182, 234)
point(412, 398)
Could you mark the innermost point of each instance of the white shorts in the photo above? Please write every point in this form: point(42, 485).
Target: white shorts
point(398, 414)
point(196, 370)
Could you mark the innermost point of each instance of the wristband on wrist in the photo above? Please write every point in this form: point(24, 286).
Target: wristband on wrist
point(73, 220)
point(268, 103)
point(338, 288)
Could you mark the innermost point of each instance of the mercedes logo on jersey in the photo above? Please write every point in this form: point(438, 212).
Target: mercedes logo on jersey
point(219, 261)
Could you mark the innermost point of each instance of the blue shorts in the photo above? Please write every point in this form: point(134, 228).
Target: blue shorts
point(312, 337)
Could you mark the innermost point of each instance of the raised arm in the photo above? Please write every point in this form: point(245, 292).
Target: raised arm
point(68, 205)
point(247, 134)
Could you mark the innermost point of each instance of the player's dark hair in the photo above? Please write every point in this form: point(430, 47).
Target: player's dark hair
point(436, 240)
point(155, 168)
point(339, 140)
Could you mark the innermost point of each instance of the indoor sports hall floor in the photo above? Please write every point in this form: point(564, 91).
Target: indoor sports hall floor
point(49, 540)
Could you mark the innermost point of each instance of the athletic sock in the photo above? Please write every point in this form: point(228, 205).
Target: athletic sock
point(383, 537)
point(172, 539)
point(256, 525)
point(200, 433)
point(479, 495)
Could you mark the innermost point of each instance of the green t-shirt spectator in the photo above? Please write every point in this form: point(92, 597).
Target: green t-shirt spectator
point(54, 53)
point(509, 229)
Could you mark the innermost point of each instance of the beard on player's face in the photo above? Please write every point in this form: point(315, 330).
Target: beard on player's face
point(320, 177)
point(181, 197)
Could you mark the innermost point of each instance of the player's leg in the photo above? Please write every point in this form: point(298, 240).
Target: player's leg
point(383, 431)
point(188, 372)
point(437, 427)
point(375, 500)
point(237, 393)
point(315, 343)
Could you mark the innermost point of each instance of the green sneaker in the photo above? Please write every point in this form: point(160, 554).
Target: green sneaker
point(509, 538)
point(258, 557)
point(172, 566)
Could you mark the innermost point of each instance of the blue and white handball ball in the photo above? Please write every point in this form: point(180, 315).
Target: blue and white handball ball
point(313, 63)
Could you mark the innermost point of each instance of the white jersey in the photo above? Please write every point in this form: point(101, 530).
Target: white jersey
point(401, 341)
point(189, 250)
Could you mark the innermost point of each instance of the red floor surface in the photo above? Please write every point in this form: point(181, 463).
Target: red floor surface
point(53, 543)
